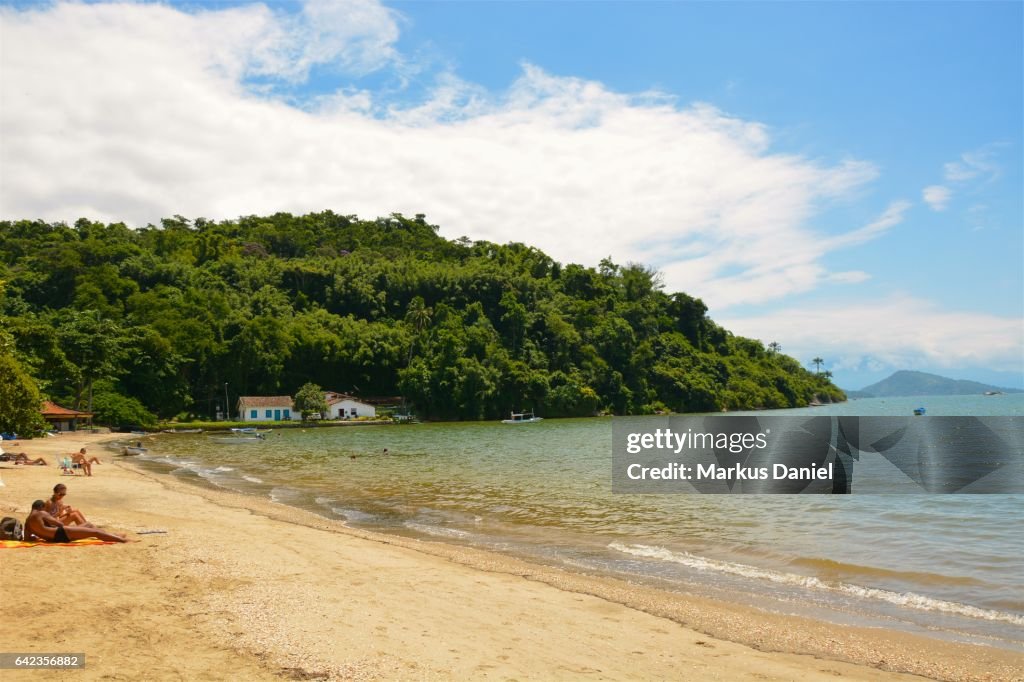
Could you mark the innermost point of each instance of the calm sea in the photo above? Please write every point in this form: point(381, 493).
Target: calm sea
point(947, 565)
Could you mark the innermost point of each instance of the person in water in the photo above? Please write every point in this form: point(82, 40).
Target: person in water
point(43, 526)
point(64, 513)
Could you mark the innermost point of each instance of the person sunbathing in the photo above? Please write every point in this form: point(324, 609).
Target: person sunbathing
point(81, 460)
point(42, 526)
point(22, 458)
point(64, 513)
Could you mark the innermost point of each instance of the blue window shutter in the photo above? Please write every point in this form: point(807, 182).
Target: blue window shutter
point(252, 414)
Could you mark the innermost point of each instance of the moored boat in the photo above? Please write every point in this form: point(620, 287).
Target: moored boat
point(242, 437)
point(522, 418)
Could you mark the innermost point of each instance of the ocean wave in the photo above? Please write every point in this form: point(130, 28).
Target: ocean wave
point(438, 531)
point(352, 515)
point(283, 495)
point(905, 599)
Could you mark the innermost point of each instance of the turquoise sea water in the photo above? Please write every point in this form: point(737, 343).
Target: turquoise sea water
point(947, 565)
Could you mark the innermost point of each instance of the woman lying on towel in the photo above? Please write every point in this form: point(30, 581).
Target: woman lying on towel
point(42, 526)
point(64, 513)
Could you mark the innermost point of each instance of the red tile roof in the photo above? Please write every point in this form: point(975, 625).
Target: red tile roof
point(55, 410)
point(265, 401)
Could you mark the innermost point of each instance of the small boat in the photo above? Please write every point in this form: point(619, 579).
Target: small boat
point(183, 430)
point(918, 411)
point(522, 418)
point(993, 392)
point(242, 438)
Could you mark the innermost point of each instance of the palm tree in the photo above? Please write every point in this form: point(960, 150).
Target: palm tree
point(817, 365)
point(418, 315)
point(774, 347)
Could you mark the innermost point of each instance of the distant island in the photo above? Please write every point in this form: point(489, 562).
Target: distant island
point(909, 383)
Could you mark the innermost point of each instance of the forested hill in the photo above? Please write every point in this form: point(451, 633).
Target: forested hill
point(156, 320)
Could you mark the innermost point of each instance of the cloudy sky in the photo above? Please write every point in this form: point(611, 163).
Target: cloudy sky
point(842, 178)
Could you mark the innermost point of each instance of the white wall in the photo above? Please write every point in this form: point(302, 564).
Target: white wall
point(261, 413)
point(343, 409)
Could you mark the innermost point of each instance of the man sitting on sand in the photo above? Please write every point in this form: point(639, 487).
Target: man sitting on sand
point(42, 526)
point(64, 513)
point(80, 459)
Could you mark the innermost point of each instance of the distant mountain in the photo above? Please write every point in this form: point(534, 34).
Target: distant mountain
point(908, 383)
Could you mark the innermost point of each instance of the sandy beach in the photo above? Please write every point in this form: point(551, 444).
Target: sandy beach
point(241, 588)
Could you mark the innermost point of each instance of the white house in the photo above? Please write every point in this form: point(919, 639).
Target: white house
point(266, 408)
point(342, 406)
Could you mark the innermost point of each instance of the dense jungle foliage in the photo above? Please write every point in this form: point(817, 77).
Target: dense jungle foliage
point(152, 323)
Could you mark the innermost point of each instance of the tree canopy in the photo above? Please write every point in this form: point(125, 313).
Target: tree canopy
point(310, 400)
point(164, 315)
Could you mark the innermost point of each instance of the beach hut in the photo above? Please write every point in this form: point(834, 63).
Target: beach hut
point(63, 418)
point(266, 408)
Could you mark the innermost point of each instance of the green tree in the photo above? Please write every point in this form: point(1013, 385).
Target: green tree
point(111, 408)
point(817, 365)
point(310, 400)
point(418, 316)
point(94, 346)
point(19, 398)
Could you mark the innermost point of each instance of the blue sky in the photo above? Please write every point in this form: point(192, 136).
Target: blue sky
point(843, 178)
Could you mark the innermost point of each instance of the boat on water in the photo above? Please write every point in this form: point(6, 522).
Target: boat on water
point(242, 437)
point(918, 411)
point(183, 430)
point(522, 418)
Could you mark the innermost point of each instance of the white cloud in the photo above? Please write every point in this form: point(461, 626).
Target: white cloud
point(137, 112)
point(973, 164)
point(772, 264)
point(937, 197)
point(897, 332)
point(972, 167)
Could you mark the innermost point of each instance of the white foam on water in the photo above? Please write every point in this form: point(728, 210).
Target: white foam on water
point(252, 479)
point(906, 599)
point(283, 495)
point(224, 469)
point(436, 530)
point(352, 514)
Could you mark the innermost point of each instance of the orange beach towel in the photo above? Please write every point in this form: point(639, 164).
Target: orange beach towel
point(14, 544)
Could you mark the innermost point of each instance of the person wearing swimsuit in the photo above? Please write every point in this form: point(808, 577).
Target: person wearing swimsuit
point(64, 513)
point(42, 526)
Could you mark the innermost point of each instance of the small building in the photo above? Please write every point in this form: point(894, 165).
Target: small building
point(64, 419)
point(344, 406)
point(266, 408)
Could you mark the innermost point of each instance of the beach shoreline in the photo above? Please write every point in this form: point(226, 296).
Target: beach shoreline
point(242, 585)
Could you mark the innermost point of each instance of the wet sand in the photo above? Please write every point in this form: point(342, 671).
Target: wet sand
point(242, 588)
